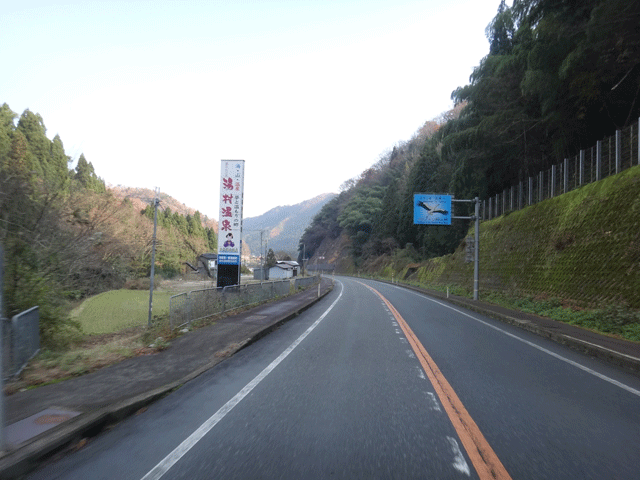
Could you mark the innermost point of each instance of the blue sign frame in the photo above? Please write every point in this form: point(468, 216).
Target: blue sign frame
point(431, 209)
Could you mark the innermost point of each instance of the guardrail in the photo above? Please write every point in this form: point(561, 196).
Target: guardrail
point(188, 307)
point(21, 341)
point(304, 282)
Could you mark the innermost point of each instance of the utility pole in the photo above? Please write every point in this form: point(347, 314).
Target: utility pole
point(156, 201)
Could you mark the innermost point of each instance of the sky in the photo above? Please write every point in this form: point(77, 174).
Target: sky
point(310, 93)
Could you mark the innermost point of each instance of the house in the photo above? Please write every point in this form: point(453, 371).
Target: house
point(281, 271)
point(292, 264)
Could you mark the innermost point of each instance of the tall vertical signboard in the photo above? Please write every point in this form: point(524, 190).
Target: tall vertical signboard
point(230, 223)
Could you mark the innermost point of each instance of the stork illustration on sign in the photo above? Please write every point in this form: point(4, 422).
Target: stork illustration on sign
point(432, 209)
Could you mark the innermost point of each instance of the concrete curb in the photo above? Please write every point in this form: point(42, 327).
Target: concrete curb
point(29, 455)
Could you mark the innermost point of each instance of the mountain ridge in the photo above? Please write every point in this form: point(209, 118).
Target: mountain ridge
point(282, 226)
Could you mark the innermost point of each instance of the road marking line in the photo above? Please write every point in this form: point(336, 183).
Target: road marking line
point(170, 460)
point(432, 396)
point(603, 348)
point(531, 344)
point(484, 459)
point(459, 463)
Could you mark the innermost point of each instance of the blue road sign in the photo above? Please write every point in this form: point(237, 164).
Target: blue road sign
point(226, 259)
point(430, 209)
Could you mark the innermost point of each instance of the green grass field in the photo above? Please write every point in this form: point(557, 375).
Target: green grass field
point(115, 310)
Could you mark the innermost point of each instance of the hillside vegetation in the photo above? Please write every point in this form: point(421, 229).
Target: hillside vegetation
point(65, 236)
point(558, 77)
point(581, 248)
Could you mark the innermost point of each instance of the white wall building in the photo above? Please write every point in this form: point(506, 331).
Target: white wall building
point(281, 271)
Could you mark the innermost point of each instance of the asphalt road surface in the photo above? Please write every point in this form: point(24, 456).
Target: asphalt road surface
point(376, 381)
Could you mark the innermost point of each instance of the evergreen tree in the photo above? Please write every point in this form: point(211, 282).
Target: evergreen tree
point(7, 128)
point(59, 172)
point(270, 259)
point(86, 176)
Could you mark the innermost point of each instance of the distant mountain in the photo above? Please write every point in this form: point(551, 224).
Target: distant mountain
point(141, 197)
point(282, 226)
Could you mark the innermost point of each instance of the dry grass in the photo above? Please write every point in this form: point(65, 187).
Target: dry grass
point(93, 353)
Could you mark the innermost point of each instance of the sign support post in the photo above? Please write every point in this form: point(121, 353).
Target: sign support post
point(435, 209)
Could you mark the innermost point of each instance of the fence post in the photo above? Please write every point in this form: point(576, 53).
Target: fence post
point(581, 169)
point(618, 150)
point(638, 135)
point(598, 160)
point(566, 176)
point(530, 191)
point(490, 208)
point(553, 181)
point(519, 194)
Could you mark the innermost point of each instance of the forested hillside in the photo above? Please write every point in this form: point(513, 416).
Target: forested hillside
point(66, 236)
point(558, 76)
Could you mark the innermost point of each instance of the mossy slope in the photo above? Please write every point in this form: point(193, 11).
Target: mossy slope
point(582, 247)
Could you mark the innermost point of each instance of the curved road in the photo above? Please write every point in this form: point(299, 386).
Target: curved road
point(376, 381)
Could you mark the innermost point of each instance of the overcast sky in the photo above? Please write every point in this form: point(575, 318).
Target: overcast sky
point(308, 92)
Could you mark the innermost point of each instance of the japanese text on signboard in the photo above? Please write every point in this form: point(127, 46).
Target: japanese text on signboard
point(231, 194)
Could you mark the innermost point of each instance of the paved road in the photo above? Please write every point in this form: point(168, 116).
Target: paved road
point(383, 383)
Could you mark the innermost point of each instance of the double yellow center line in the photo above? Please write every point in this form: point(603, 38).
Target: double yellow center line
point(484, 459)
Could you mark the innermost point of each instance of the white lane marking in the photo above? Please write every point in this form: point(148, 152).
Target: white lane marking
point(459, 463)
point(411, 354)
point(421, 373)
point(603, 348)
point(161, 468)
point(531, 344)
point(434, 402)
